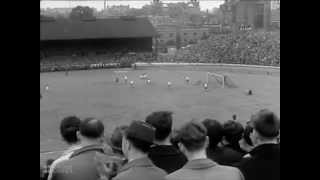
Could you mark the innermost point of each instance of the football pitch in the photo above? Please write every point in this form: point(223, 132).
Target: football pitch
point(95, 94)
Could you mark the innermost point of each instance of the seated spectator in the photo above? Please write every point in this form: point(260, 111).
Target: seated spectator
point(81, 164)
point(231, 151)
point(215, 134)
point(69, 127)
point(193, 143)
point(163, 154)
point(264, 163)
point(135, 145)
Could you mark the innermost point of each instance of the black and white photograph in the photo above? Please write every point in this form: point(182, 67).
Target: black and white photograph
point(159, 89)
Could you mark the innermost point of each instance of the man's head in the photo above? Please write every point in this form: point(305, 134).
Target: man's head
point(115, 140)
point(69, 127)
point(138, 137)
point(232, 132)
point(193, 137)
point(162, 122)
point(266, 126)
point(214, 131)
point(91, 129)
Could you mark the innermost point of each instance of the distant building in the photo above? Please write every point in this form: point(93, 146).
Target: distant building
point(256, 13)
point(253, 13)
point(186, 35)
point(275, 13)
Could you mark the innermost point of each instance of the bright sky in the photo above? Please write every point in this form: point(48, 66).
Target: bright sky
point(204, 5)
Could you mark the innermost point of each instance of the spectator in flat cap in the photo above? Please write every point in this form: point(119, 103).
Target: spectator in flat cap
point(69, 128)
point(136, 144)
point(82, 164)
point(115, 158)
point(163, 154)
point(193, 143)
point(231, 151)
point(115, 141)
point(264, 163)
point(215, 134)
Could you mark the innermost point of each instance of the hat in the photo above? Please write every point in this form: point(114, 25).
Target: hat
point(141, 130)
point(115, 141)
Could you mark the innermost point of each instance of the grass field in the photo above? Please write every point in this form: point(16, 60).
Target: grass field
point(95, 94)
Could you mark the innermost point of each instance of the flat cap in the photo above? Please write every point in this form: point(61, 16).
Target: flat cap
point(141, 130)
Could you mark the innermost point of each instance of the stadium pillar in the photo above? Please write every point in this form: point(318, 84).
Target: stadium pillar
point(156, 47)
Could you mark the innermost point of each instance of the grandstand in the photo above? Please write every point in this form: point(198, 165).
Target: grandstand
point(80, 43)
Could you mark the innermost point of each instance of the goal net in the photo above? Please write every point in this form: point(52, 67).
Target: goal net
point(220, 80)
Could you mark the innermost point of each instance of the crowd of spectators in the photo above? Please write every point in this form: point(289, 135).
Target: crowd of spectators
point(245, 47)
point(85, 62)
point(152, 149)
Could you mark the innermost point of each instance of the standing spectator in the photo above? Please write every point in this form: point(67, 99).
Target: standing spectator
point(81, 165)
point(69, 127)
point(135, 145)
point(193, 143)
point(163, 154)
point(215, 134)
point(264, 163)
point(231, 151)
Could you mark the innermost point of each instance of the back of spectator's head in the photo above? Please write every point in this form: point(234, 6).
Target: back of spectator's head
point(140, 135)
point(91, 128)
point(232, 131)
point(214, 131)
point(115, 140)
point(266, 123)
point(69, 127)
point(193, 136)
point(162, 122)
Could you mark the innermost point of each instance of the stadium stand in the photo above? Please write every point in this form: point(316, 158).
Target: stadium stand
point(67, 44)
point(252, 47)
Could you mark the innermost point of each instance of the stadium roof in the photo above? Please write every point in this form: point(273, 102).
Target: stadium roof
point(66, 29)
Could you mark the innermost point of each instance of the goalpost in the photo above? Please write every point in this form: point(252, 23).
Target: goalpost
point(218, 77)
